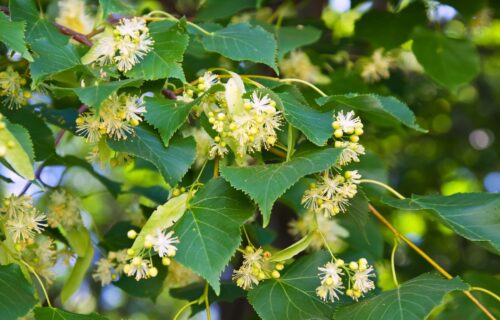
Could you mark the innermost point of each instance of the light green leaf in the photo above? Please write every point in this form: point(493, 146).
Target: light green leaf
point(209, 231)
point(293, 295)
point(18, 154)
point(414, 299)
point(94, 95)
point(172, 162)
point(163, 217)
point(474, 216)
point(13, 35)
point(243, 41)
point(385, 111)
point(164, 61)
point(293, 249)
point(48, 313)
point(52, 58)
point(167, 115)
point(266, 183)
point(293, 37)
point(79, 240)
point(17, 296)
point(316, 125)
point(450, 62)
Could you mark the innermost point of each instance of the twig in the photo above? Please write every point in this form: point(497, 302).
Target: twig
point(83, 39)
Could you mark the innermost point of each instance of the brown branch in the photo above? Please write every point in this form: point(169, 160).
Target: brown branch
point(83, 39)
point(5, 10)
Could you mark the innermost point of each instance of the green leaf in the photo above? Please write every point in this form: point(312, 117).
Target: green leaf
point(13, 35)
point(414, 299)
point(52, 58)
point(293, 249)
point(388, 29)
point(116, 237)
point(79, 240)
point(218, 9)
point(450, 62)
point(43, 145)
point(293, 37)
point(474, 216)
point(163, 217)
point(385, 111)
point(16, 293)
point(16, 155)
point(48, 313)
point(209, 231)
point(94, 95)
point(266, 183)
point(114, 6)
point(293, 295)
point(37, 27)
point(243, 41)
point(172, 162)
point(167, 115)
point(164, 61)
point(316, 125)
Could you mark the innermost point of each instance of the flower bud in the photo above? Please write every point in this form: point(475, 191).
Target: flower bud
point(358, 131)
point(354, 138)
point(153, 272)
point(136, 261)
point(336, 125)
point(130, 252)
point(339, 262)
point(279, 266)
point(126, 268)
point(275, 274)
point(329, 281)
point(338, 133)
point(165, 261)
point(132, 234)
point(353, 265)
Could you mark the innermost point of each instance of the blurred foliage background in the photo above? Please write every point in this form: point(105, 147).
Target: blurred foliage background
point(351, 46)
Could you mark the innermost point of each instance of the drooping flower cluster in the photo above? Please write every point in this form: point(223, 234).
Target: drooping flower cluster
point(22, 221)
point(332, 283)
point(42, 256)
point(348, 128)
point(125, 45)
point(11, 88)
point(74, 15)
point(256, 267)
point(246, 125)
point(329, 228)
point(64, 210)
point(298, 65)
point(331, 194)
point(377, 68)
point(162, 242)
point(110, 268)
point(118, 115)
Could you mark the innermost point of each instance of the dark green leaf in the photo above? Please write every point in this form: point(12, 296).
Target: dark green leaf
point(209, 231)
point(291, 38)
point(167, 115)
point(385, 111)
point(474, 216)
point(114, 6)
point(218, 9)
point(52, 58)
point(48, 313)
point(243, 41)
point(316, 125)
point(94, 95)
point(13, 35)
point(164, 61)
point(16, 293)
point(172, 162)
point(266, 183)
point(293, 295)
point(450, 62)
point(414, 299)
point(116, 237)
point(155, 193)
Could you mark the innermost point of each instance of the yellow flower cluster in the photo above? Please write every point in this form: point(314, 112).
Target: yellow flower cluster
point(64, 210)
point(256, 267)
point(11, 87)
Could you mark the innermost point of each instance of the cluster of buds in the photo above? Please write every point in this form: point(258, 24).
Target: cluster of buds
point(110, 268)
point(244, 125)
point(11, 87)
point(256, 267)
point(162, 242)
point(332, 192)
point(118, 115)
point(125, 45)
point(332, 275)
point(348, 128)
